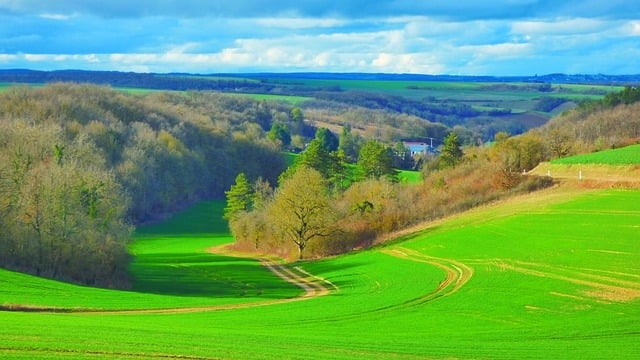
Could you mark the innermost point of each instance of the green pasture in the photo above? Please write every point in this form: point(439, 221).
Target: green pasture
point(409, 176)
point(6, 85)
point(550, 275)
point(171, 269)
point(292, 99)
point(465, 91)
point(629, 155)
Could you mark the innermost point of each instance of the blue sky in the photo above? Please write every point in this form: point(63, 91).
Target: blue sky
point(460, 37)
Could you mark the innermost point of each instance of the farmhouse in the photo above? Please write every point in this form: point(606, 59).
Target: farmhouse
point(420, 147)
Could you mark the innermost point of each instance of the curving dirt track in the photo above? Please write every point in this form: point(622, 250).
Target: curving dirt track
point(312, 285)
point(457, 274)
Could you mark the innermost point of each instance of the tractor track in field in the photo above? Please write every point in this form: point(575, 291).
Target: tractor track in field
point(457, 274)
point(312, 285)
point(604, 288)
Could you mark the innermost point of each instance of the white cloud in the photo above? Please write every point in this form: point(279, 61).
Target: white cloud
point(418, 63)
point(502, 51)
point(60, 17)
point(559, 27)
point(39, 57)
point(7, 57)
point(396, 43)
point(299, 23)
point(634, 28)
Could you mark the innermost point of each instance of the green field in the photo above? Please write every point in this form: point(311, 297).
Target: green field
point(555, 274)
point(469, 91)
point(409, 176)
point(629, 155)
point(292, 99)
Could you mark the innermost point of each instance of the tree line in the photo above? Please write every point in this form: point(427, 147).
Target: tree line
point(312, 212)
point(79, 164)
point(324, 205)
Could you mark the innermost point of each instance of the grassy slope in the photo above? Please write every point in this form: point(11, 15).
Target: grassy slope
point(629, 155)
point(554, 276)
point(172, 269)
point(614, 166)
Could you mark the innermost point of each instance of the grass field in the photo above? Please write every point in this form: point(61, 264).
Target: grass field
point(629, 155)
point(295, 100)
point(549, 275)
point(462, 90)
point(409, 176)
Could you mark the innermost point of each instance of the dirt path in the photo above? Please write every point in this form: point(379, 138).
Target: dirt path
point(457, 274)
point(592, 175)
point(312, 285)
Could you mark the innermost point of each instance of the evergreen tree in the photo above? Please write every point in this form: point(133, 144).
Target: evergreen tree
point(240, 197)
point(349, 143)
point(328, 140)
point(339, 171)
point(279, 132)
point(451, 151)
point(375, 160)
point(316, 157)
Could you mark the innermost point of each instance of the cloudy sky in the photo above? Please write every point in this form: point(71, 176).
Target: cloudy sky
point(471, 37)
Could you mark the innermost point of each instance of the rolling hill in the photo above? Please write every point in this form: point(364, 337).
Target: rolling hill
point(537, 276)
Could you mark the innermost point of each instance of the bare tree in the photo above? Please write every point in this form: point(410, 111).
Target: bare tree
point(301, 210)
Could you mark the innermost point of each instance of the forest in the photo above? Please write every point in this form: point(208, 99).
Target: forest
point(483, 105)
point(81, 165)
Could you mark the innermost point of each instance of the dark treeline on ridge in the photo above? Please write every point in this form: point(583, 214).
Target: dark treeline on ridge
point(481, 116)
point(78, 163)
point(180, 81)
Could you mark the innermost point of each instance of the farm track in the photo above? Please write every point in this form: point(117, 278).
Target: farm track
point(312, 285)
point(605, 288)
point(457, 274)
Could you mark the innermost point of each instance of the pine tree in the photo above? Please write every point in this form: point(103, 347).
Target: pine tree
point(451, 151)
point(240, 197)
point(375, 160)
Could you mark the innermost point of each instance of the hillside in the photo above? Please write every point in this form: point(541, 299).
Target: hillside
point(535, 276)
point(424, 106)
point(614, 167)
point(79, 164)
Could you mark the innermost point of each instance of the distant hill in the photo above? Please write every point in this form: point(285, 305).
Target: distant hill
point(386, 106)
point(236, 81)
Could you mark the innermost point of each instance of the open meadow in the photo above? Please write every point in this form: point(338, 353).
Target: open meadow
point(628, 155)
point(553, 274)
point(615, 166)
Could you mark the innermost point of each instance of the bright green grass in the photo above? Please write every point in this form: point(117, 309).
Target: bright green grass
point(529, 298)
point(141, 91)
point(410, 177)
point(171, 268)
point(292, 99)
point(629, 155)
point(5, 85)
